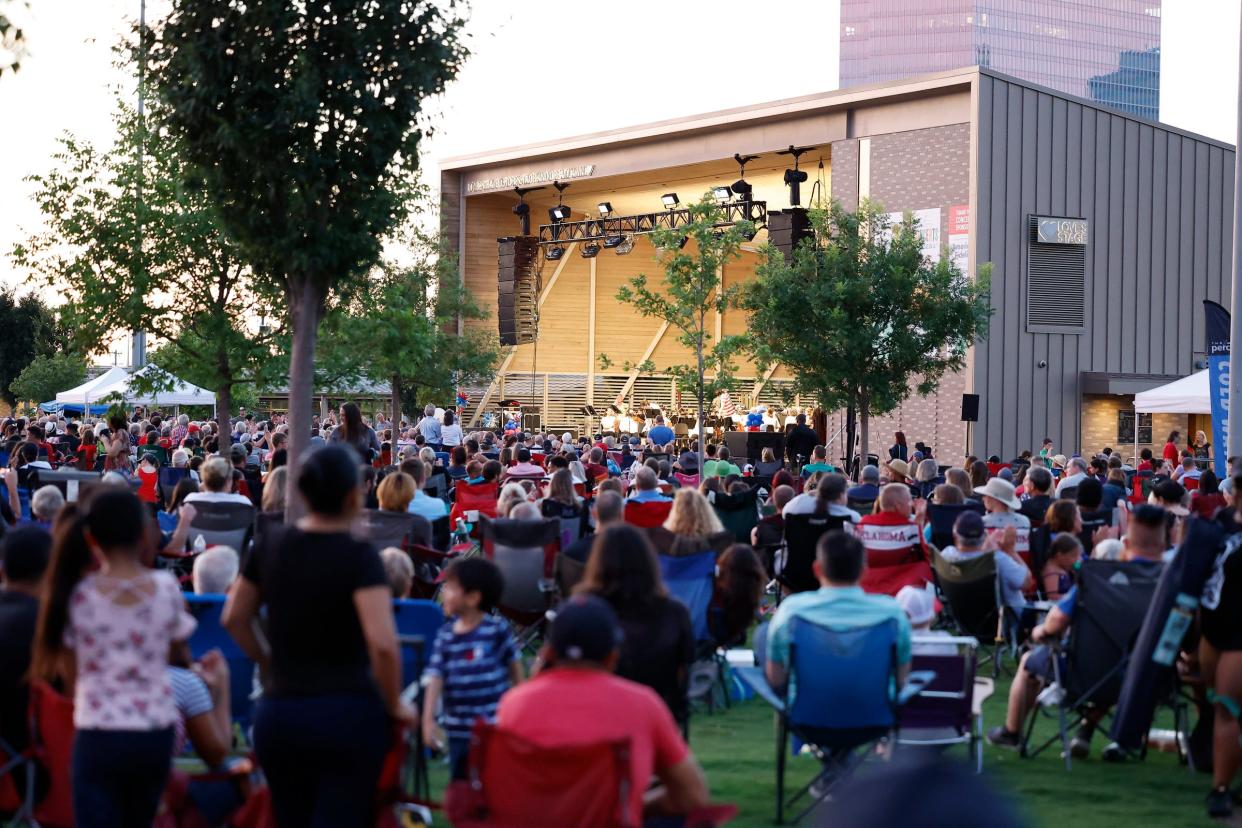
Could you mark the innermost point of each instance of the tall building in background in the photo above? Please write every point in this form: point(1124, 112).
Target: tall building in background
point(1103, 50)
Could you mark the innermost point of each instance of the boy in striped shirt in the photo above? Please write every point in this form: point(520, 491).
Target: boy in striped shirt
point(474, 659)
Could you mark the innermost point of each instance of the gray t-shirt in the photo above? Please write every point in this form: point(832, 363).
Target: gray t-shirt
point(1012, 574)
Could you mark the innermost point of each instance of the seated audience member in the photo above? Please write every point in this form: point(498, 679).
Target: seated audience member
point(827, 498)
point(24, 555)
point(1075, 473)
point(1002, 511)
point(45, 505)
point(474, 659)
point(740, 581)
point(203, 705)
point(594, 467)
point(692, 526)
point(215, 570)
point(457, 463)
point(819, 462)
point(769, 532)
point(961, 479)
point(768, 464)
point(524, 467)
point(840, 604)
point(869, 487)
point(1114, 489)
point(926, 478)
point(1207, 499)
point(217, 484)
point(920, 607)
point(660, 434)
point(647, 487)
point(524, 511)
point(658, 645)
point(709, 462)
point(1145, 543)
point(423, 504)
point(724, 467)
point(1064, 553)
point(592, 705)
point(609, 510)
point(1187, 470)
point(898, 471)
point(274, 492)
point(511, 495)
point(561, 501)
point(970, 540)
point(399, 570)
point(893, 526)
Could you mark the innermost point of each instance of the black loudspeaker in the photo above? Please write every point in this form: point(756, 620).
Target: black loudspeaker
point(757, 441)
point(517, 289)
point(532, 421)
point(787, 228)
point(970, 408)
point(736, 441)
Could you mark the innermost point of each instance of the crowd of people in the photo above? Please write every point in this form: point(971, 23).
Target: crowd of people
point(92, 601)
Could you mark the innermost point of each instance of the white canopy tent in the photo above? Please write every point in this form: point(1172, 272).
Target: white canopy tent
point(181, 392)
point(1188, 395)
point(88, 392)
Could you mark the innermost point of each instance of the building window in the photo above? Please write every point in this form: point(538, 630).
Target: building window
point(1125, 427)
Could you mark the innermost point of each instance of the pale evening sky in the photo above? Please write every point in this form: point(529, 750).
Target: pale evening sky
point(544, 69)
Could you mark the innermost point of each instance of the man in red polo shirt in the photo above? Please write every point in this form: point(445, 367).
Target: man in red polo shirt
point(575, 699)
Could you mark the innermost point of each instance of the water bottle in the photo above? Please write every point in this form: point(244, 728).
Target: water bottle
point(1175, 629)
point(461, 533)
point(200, 545)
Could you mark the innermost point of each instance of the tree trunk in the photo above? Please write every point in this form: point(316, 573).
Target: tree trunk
point(851, 427)
point(305, 310)
point(224, 404)
point(396, 411)
point(702, 436)
point(864, 438)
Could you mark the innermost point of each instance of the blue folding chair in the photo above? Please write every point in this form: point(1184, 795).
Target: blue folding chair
point(417, 621)
point(691, 580)
point(840, 700)
point(210, 634)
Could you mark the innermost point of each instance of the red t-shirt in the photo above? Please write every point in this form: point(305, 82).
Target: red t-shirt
point(572, 706)
point(1170, 453)
point(149, 480)
point(595, 471)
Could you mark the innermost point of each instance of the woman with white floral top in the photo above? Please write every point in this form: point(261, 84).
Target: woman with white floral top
point(106, 632)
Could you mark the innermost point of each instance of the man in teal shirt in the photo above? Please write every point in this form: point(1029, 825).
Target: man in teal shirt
point(839, 603)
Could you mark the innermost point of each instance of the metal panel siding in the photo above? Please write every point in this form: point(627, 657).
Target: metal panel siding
point(1159, 205)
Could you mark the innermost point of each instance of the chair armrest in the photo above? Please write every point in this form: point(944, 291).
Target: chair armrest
point(916, 683)
point(754, 678)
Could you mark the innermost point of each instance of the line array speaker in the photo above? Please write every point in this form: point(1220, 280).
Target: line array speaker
point(517, 289)
point(787, 228)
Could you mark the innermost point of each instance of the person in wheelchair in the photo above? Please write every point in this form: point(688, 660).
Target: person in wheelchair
point(1144, 545)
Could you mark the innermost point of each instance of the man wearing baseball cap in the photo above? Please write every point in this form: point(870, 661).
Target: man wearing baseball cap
point(575, 699)
point(970, 541)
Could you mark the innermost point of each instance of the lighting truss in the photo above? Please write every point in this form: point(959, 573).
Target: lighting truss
point(599, 229)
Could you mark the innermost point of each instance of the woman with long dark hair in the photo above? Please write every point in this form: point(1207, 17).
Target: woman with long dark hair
point(356, 434)
point(898, 450)
point(659, 640)
point(107, 633)
point(331, 660)
point(740, 580)
point(118, 444)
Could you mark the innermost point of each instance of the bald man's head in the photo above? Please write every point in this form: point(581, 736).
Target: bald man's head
point(895, 498)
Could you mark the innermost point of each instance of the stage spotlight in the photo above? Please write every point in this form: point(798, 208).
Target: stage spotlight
point(559, 213)
point(742, 187)
point(625, 246)
point(722, 193)
point(613, 241)
point(605, 208)
point(670, 200)
point(590, 250)
point(554, 252)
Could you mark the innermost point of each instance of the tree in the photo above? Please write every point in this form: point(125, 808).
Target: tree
point(692, 288)
point(130, 248)
point(47, 376)
point(298, 120)
point(399, 326)
point(859, 314)
point(30, 330)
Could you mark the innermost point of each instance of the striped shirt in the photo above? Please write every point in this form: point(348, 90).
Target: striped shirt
point(192, 699)
point(474, 668)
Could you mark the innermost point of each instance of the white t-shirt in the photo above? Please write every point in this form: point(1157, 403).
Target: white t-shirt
point(450, 435)
point(217, 497)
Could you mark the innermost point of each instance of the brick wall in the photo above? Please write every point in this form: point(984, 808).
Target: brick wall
point(844, 181)
point(1099, 426)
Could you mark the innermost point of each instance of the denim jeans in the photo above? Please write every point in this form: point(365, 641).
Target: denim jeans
point(119, 776)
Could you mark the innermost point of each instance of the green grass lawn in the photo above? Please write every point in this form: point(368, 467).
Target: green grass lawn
point(737, 749)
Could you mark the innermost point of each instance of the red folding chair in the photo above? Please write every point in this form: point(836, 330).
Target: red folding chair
point(514, 783)
point(470, 497)
point(687, 481)
point(51, 746)
point(525, 552)
point(649, 514)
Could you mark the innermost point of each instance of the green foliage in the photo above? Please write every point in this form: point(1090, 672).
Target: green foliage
point(400, 327)
point(47, 376)
point(692, 256)
point(859, 317)
point(129, 248)
point(30, 329)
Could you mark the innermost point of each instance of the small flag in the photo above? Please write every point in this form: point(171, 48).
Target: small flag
point(462, 398)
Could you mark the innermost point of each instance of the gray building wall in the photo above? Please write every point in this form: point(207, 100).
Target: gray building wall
point(1160, 205)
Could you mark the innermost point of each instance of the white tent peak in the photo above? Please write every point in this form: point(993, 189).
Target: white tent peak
point(1188, 395)
point(88, 392)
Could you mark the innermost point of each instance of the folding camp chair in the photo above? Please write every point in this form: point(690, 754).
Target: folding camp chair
point(802, 534)
point(968, 589)
point(51, 748)
point(222, 524)
point(513, 782)
point(687, 481)
point(738, 512)
point(845, 703)
point(572, 520)
point(417, 624)
point(891, 564)
point(441, 533)
point(525, 551)
point(384, 529)
point(1113, 599)
point(17, 784)
point(691, 579)
point(473, 497)
point(648, 514)
point(169, 477)
point(211, 635)
point(949, 709)
point(863, 507)
point(71, 482)
point(942, 516)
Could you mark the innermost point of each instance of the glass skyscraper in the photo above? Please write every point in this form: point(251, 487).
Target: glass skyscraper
point(1104, 50)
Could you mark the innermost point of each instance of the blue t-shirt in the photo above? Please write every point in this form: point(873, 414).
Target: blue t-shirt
point(661, 435)
point(474, 667)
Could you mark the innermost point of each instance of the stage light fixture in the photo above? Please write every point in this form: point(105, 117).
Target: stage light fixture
point(590, 250)
point(559, 213)
point(625, 246)
point(722, 193)
point(554, 252)
point(605, 208)
point(522, 209)
point(613, 241)
point(670, 200)
point(795, 178)
point(742, 187)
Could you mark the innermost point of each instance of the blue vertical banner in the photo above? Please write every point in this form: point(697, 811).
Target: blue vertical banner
point(1217, 331)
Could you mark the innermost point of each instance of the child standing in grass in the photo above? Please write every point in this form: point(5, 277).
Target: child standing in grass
point(474, 659)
